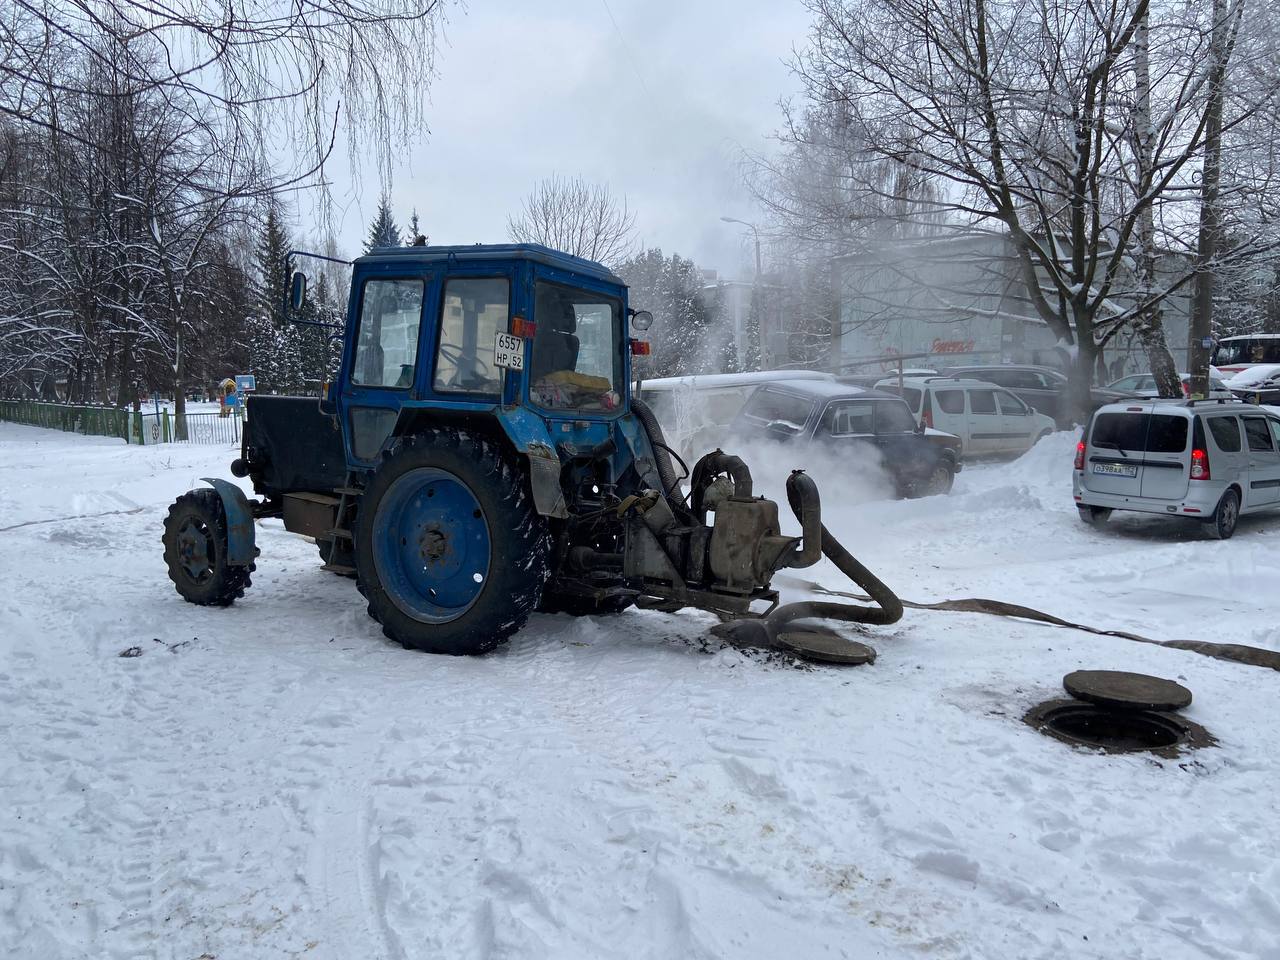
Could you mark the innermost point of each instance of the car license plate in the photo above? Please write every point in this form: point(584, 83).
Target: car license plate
point(508, 351)
point(1116, 469)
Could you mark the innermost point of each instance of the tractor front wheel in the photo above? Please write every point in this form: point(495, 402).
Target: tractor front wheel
point(195, 551)
point(450, 553)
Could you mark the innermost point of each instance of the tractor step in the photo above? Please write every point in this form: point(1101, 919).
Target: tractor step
point(341, 569)
point(349, 491)
point(344, 534)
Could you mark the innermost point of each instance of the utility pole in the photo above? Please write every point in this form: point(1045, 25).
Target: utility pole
point(1201, 329)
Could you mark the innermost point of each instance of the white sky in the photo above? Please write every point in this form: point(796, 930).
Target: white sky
point(659, 108)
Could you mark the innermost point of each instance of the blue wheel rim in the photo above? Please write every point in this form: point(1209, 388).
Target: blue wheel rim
point(431, 546)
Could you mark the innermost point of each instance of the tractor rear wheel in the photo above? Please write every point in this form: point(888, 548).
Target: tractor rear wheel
point(195, 551)
point(450, 553)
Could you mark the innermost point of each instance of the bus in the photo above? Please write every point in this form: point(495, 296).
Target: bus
point(1233, 354)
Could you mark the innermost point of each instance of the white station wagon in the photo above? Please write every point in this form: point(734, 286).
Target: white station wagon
point(1209, 460)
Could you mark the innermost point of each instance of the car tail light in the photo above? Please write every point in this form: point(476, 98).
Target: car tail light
point(926, 416)
point(1199, 465)
point(1186, 389)
point(1080, 455)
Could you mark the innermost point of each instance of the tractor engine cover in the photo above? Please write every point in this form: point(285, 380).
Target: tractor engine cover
point(746, 543)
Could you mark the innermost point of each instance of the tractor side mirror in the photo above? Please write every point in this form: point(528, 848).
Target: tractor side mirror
point(298, 291)
point(641, 320)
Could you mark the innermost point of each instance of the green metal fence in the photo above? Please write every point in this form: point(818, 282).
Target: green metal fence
point(141, 427)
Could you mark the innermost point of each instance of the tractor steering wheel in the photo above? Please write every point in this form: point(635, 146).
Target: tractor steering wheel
point(454, 354)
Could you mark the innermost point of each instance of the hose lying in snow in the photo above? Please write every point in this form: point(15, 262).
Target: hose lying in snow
point(802, 494)
point(1234, 652)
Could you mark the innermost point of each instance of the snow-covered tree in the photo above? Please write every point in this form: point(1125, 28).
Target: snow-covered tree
point(383, 231)
point(684, 329)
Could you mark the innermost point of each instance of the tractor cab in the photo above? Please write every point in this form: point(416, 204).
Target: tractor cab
point(484, 331)
point(478, 456)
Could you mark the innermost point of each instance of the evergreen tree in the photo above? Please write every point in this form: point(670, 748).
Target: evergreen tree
point(383, 232)
point(414, 231)
point(684, 319)
point(751, 362)
point(264, 340)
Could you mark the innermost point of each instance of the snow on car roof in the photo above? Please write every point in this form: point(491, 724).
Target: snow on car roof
point(1259, 373)
point(709, 381)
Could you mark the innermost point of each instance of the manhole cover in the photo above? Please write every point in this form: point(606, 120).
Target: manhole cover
point(1126, 691)
point(825, 647)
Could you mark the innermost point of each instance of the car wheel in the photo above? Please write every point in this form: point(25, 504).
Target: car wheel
point(1223, 522)
point(940, 481)
point(1095, 517)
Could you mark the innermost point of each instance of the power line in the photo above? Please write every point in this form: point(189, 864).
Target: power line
point(626, 47)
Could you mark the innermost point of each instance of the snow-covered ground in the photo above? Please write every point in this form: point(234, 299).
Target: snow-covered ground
point(278, 780)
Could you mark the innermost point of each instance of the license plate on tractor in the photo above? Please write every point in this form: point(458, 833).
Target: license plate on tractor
point(508, 351)
point(1116, 469)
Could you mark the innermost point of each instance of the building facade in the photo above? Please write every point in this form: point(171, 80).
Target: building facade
point(958, 300)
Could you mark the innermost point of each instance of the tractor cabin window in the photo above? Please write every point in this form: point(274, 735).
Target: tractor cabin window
point(387, 344)
point(577, 354)
point(476, 310)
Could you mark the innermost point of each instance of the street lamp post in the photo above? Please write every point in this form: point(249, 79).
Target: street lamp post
point(756, 289)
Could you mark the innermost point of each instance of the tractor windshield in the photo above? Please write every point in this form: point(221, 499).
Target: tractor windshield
point(577, 354)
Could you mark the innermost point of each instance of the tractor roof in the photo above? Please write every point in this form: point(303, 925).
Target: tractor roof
point(495, 251)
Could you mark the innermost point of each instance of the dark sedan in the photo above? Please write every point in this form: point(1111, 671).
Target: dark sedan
point(843, 418)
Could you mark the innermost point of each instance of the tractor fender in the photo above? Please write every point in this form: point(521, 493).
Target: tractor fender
point(240, 546)
point(523, 434)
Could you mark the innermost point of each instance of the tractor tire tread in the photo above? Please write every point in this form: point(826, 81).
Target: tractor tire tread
point(229, 583)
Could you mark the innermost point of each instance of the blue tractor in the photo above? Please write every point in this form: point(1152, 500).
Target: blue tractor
point(479, 456)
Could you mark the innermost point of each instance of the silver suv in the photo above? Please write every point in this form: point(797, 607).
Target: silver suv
point(1210, 460)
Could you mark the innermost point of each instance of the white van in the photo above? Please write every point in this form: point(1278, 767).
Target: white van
point(988, 419)
point(694, 411)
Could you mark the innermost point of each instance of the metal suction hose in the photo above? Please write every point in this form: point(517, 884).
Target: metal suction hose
point(802, 494)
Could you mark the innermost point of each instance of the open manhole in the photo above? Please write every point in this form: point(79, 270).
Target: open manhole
point(1114, 713)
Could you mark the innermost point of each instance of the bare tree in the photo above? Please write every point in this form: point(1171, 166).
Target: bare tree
point(578, 217)
point(1024, 115)
point(275, 69)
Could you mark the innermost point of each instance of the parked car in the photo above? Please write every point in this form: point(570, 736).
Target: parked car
point(1042, 388)
point(695, 411)
point(1257, 384)
point(989, 420)
point(1144, 385)
point(855, 422)
point(1211, 460)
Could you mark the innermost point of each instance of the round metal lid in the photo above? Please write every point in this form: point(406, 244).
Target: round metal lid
point(1126, 691)
point(825, 647)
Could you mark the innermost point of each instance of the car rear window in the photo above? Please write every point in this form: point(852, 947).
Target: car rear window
point(1226, 433)
point(770, 407)
point(950, 401)
point(1149, 432)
